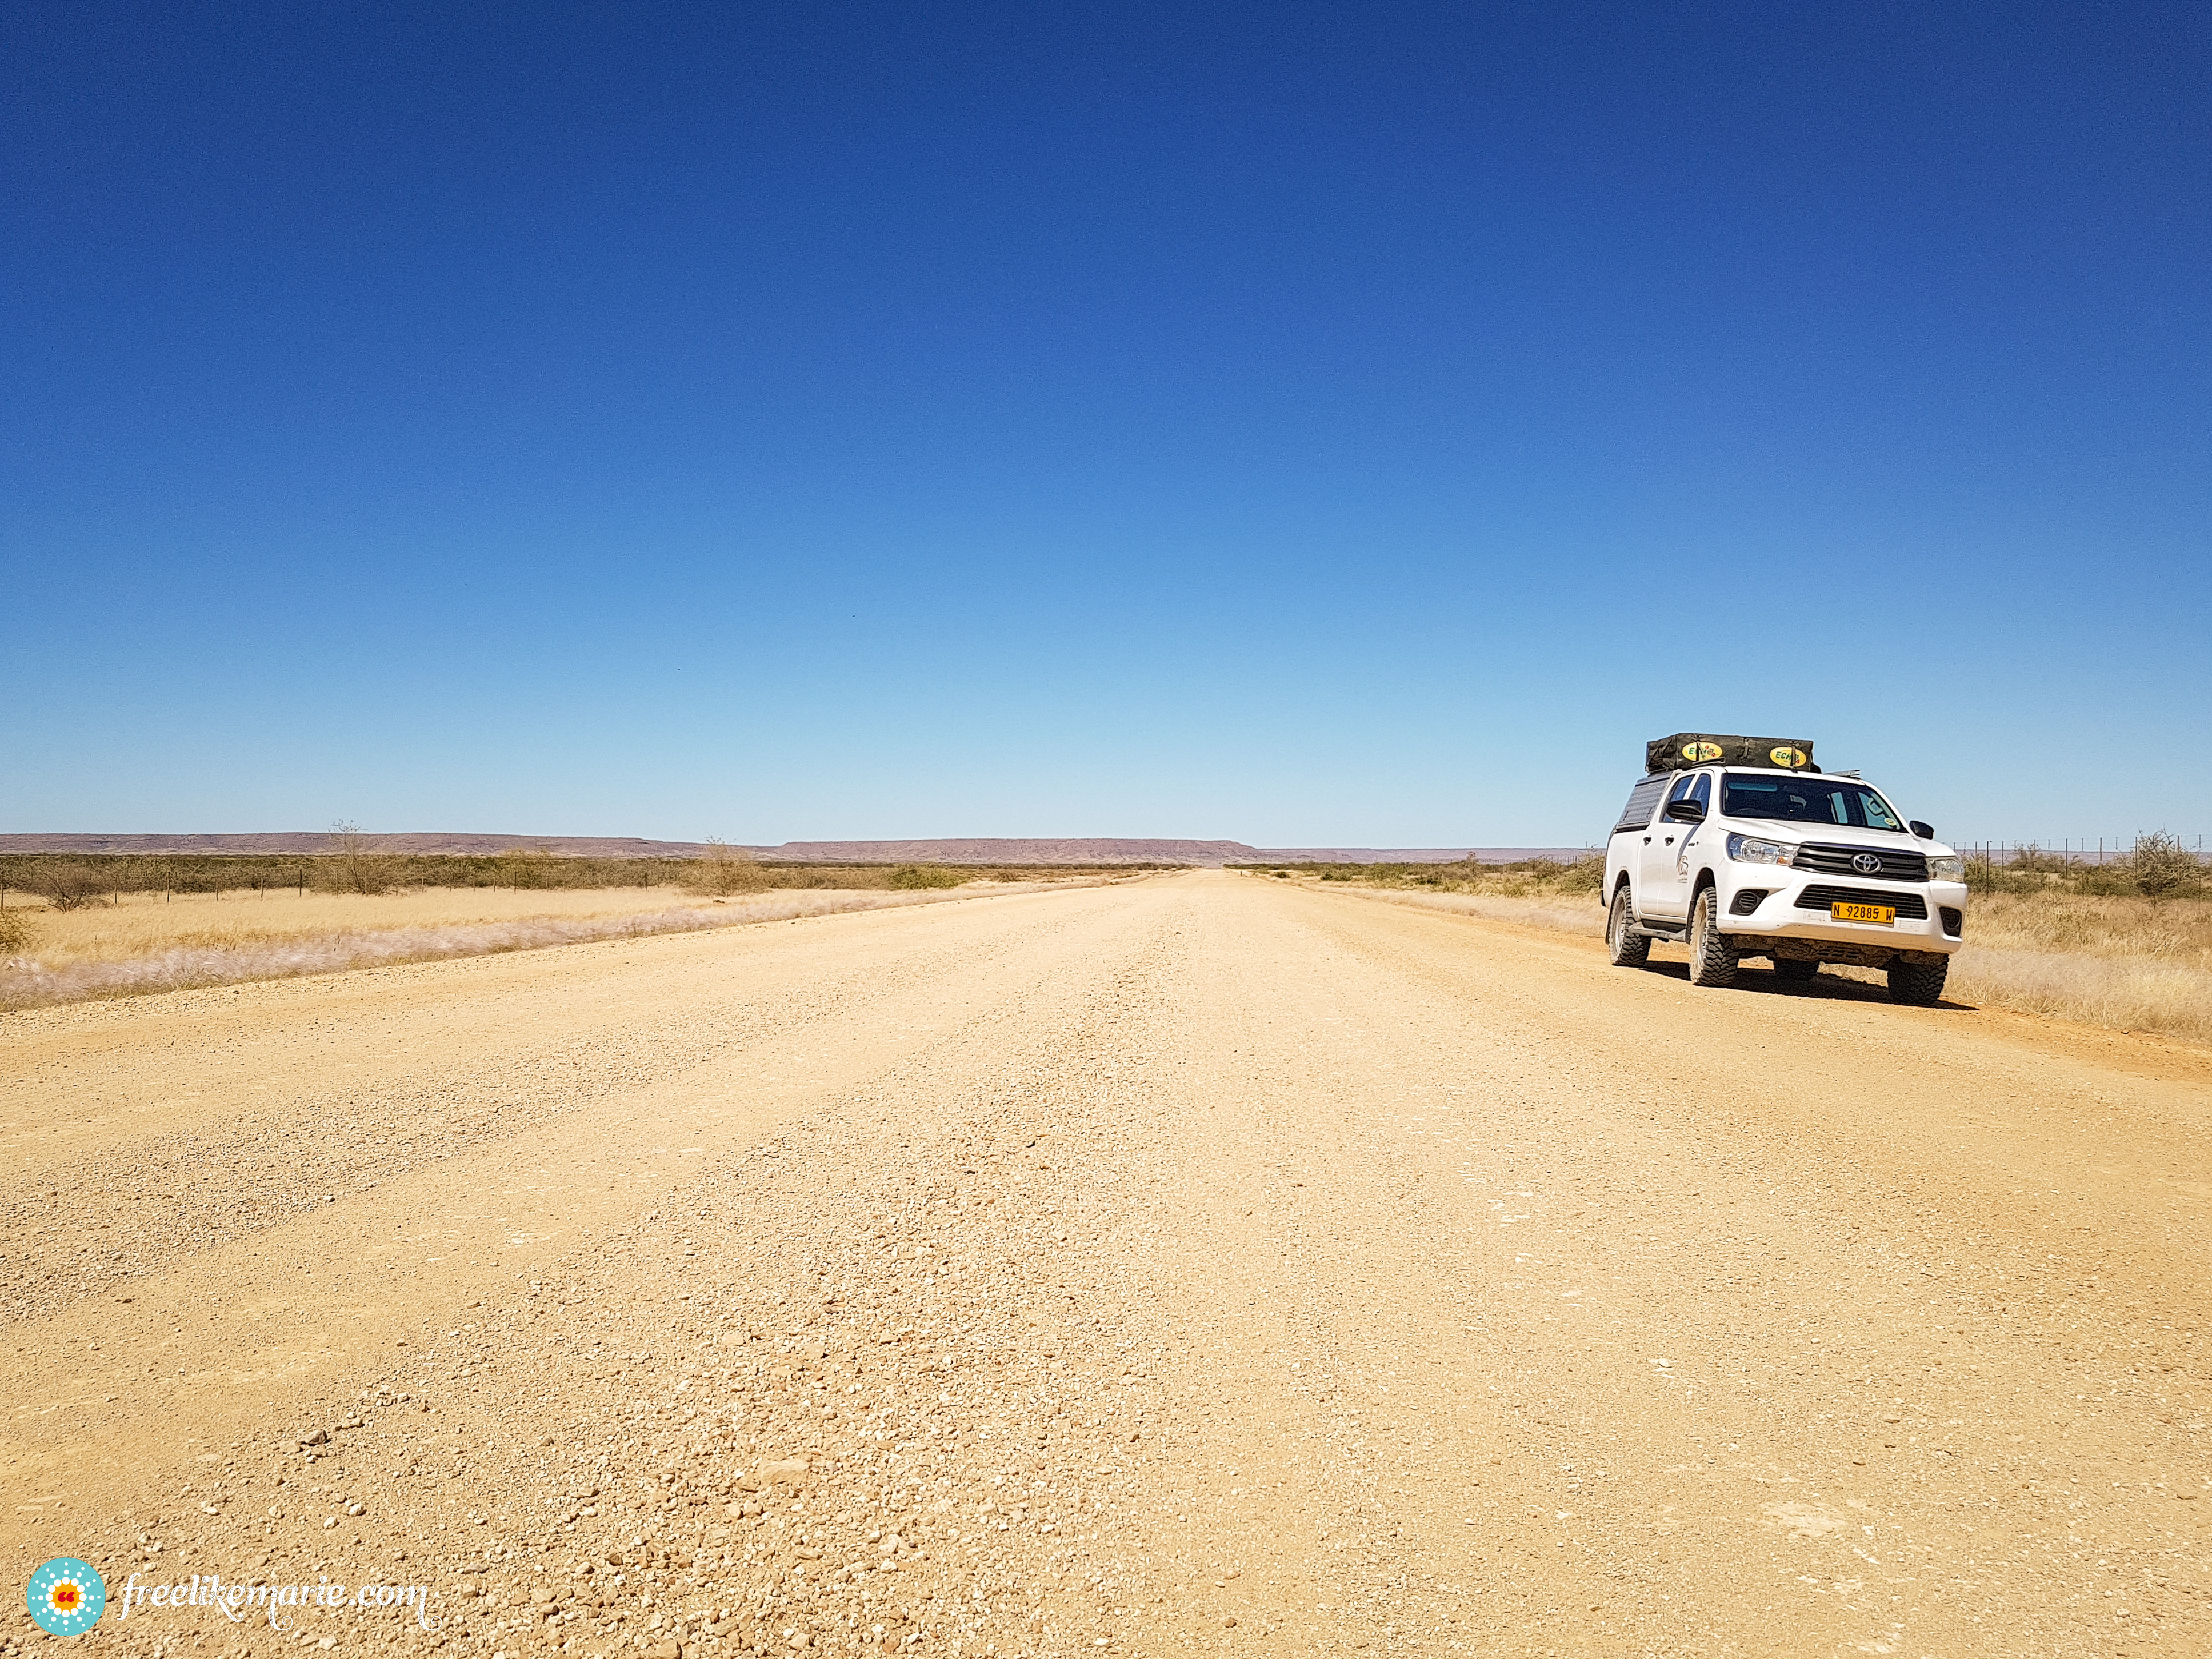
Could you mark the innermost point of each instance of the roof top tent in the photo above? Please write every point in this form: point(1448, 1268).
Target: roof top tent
point(1688, 749)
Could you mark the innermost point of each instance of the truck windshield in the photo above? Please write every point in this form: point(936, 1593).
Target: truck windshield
point(1808, 800)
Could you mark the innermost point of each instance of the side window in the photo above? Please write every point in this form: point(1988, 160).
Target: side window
point(1683, 786)
point(1701, 792)
point(1642, 799)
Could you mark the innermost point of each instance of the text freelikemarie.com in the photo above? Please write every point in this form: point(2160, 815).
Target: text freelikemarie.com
point(237, 1602)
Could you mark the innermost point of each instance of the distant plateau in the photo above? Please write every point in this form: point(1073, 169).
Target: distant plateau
point(1072, 850)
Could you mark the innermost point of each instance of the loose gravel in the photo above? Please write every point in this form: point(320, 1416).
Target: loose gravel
point(1189, 1266)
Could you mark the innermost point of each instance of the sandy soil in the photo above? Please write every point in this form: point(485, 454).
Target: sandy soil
point(1199, 1264)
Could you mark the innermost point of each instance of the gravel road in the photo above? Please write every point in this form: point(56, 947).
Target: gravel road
point(1202, 1263)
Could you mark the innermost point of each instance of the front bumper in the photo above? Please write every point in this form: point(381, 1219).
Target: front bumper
point(1793, 904)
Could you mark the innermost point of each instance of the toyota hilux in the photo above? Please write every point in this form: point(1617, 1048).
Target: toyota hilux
point(1738, 847)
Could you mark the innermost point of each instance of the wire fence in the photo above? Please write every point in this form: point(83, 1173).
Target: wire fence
point(2075, 849)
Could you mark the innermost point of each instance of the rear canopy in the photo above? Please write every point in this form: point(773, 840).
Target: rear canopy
point(1687, 749)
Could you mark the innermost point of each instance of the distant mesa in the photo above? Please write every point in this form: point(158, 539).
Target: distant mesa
point(1413, 854)
point(1072, 851)
point(1014, 851)
point(320, 841)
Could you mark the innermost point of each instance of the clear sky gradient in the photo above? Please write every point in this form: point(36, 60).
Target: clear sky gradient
point(1308, 424)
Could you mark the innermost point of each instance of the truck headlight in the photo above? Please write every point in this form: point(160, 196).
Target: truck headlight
point(1947, 867)
point(1750, 849)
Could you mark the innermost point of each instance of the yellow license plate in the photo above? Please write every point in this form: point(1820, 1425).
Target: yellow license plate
point(1884, 914)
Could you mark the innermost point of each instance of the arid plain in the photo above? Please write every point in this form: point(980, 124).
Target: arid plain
point(1202, 1262)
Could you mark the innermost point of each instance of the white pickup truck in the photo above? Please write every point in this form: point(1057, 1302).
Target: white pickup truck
point(1779, 861)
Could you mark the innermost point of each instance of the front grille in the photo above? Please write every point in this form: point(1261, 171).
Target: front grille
point(1833, 860)
point(1954, 922)
point(1910, 905)
point(1747, 901)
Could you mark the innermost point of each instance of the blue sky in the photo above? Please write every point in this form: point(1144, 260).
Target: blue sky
point(1345, 425)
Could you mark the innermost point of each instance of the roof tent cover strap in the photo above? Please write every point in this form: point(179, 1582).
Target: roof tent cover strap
point(1687, 749)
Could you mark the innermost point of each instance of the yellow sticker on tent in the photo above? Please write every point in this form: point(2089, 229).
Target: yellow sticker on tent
point(1786, 756)
point(1701, 751)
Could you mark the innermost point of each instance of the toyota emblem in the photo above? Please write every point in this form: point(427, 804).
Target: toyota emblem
point(1866, 864)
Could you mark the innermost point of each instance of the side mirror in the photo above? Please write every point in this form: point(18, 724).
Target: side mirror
point(1925, 832)
point(1686, 811)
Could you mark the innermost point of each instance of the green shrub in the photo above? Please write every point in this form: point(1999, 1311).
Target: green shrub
point(352, 867)
point(924, 875)
point(722, 871)
point(2162, 866)
point(528, 866)
point(1588, 872)
point(1544, 877)
point(2105, 881)
point(66, 886)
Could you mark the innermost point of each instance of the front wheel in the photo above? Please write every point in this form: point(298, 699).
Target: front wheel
point(1918, 984)
point(1711, 960)
point(1625, 948)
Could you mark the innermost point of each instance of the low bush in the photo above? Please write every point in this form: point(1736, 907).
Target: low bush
point(1533, 877)
point(17, 932)
point(66, 885)
point(353, 866)
point(924, 875)
point(725, 870)
point(364, 868)
point(2163, 868)
point(528, 867)
point(2159, 868)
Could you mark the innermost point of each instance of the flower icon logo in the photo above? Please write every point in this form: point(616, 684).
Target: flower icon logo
point(66, 1597)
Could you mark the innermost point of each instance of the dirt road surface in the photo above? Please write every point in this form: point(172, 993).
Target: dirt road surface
point(1201, 1264)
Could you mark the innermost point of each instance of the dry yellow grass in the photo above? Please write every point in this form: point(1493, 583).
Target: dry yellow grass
point(2178, 931)
point(2120, 962)
point(147, 944)
point(143, 924)
point(2123, 962)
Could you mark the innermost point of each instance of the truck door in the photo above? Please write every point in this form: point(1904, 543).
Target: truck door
point(1663, 885)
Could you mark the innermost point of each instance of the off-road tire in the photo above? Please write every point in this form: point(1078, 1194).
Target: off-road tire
point(1712, 961)
point(1793, 971)
point(1916, 982)
point(1623, 948)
